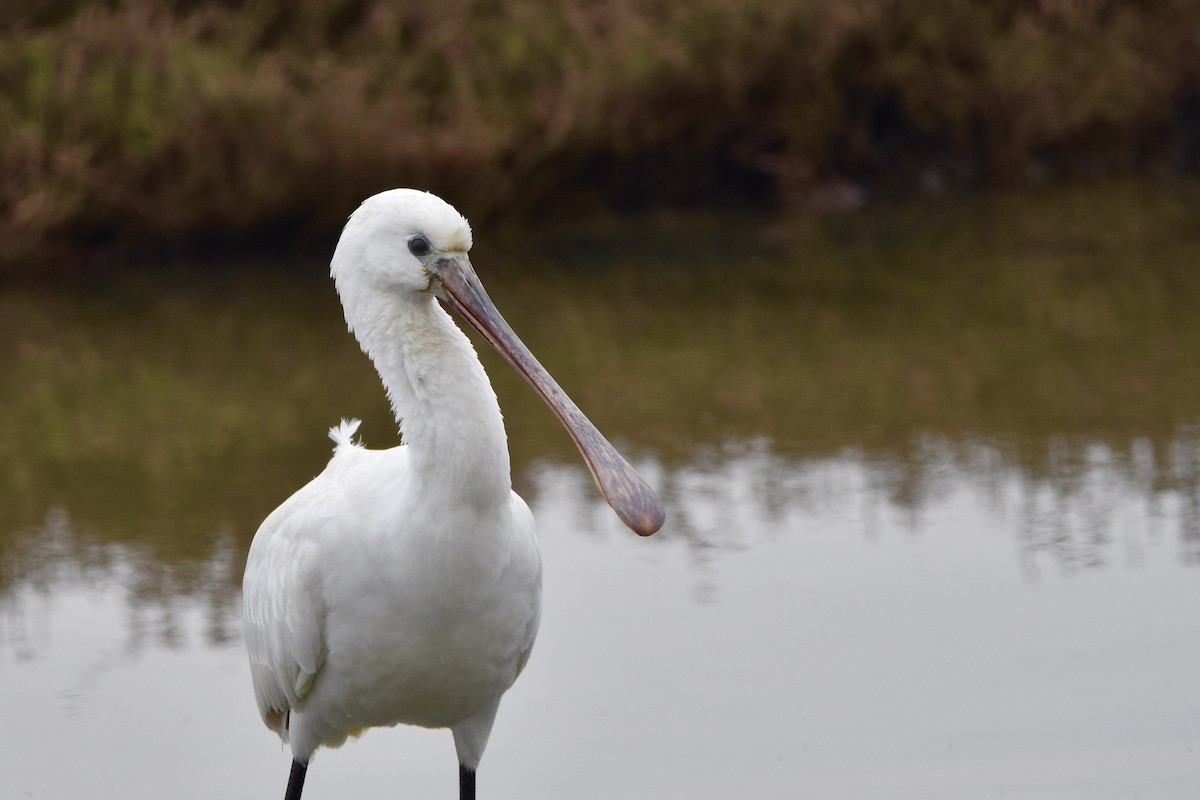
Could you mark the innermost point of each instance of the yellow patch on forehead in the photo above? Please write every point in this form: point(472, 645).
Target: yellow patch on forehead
point(446, 229)
point(459, 240)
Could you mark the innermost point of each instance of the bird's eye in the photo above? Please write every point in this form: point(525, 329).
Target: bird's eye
point(419, 246)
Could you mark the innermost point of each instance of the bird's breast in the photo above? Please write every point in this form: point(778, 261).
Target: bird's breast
point(426, 625)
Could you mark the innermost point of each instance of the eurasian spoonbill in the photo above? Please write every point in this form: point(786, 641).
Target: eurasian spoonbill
point(403, 586)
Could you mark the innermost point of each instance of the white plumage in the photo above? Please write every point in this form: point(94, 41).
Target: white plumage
point(404, 585)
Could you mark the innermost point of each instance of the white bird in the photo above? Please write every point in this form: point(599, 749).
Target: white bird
point(403, 586)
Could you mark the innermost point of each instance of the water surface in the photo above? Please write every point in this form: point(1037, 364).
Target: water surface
point(933, 486)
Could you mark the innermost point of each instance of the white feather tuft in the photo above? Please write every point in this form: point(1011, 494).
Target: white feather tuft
point(343, 434)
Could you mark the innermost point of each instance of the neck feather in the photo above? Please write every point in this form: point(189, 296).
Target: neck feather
point(440, 394)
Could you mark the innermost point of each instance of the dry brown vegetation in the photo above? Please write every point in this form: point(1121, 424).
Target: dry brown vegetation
point(137, 122)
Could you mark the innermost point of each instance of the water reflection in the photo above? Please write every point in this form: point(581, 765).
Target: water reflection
point(57, 559)
point(1085, 506)
point(797, 620)
point(1083, 503)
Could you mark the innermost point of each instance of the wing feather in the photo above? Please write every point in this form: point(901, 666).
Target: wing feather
point(282, 603)
point(527, 536)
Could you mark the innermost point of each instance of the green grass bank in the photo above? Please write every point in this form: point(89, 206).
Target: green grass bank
point(130, 125)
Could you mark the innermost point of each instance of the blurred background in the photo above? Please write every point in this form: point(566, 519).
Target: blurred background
point(895, 304)
point(138, 124)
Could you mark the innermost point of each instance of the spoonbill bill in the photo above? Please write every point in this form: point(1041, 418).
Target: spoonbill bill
point(403, 586)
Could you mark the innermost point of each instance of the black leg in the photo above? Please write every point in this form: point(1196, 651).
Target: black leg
point(296, 781)
point(466, 783)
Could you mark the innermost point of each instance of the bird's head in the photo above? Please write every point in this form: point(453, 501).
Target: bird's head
point(405, 244)
point(393, 242)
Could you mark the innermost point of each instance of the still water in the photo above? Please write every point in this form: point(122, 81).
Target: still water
point(933, 489)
